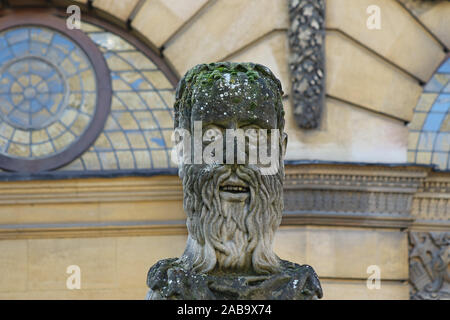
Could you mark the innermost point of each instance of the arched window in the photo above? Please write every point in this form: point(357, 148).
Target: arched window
point(81, 101)
point(429, 137)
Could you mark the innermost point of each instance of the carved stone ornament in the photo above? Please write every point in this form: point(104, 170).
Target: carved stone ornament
point(429, 265)
point(233, 207)
point(307, 60)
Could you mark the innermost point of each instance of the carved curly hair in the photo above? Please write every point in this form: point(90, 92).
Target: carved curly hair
point(208, 73)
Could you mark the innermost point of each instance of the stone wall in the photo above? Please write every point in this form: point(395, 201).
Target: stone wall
point(114, 229)
point(341, 219)
point(373, 77)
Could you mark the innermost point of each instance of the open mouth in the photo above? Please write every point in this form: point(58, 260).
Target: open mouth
point(234, 189)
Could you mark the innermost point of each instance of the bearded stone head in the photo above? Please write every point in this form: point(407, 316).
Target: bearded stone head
point(233, 199)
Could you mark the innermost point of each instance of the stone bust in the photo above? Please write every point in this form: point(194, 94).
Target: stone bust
point(233, 199)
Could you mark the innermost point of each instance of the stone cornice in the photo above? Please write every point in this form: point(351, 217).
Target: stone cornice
point(353, 177)
point(91, 190)
point(373, 196)
point(88, 230)
point(431, 203)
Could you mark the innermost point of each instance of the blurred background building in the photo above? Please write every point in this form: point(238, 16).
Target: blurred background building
point(86, 117)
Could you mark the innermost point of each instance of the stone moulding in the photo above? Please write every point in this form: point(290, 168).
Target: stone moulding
point(431, 203)
point(351, 196)
point(388, 196)
point(318, 194)
point(307, 60)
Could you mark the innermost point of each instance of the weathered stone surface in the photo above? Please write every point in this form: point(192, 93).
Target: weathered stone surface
point(120, 9)
point(158, 20)
point(329, 249)
point(436, 19)
point(357, 75)
point(271, 51)
point(169, 280)
point(337, 289)
point(48, 260)
point(234, 206)
point(92, 294)
point(224, 28)
point(133, 256)
point(400, 38)
point(348, 133)
point(13, 265)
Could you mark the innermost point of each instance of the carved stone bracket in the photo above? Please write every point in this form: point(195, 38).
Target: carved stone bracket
point(429, 265)
point(307, 60)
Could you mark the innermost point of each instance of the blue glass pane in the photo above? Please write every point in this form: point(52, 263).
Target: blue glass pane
point(159, 141)
point(20, 48)
point(5, 55)
point(3, 44)
point(436, 84)
point(38, 48)
point(445, 68)
point(43, 70)
point(34, 93)
point(442, 103)
point(447, 88)
point(63, 44)
point(114, 76)
point(433, 122)
point(17, 35)
point(442, 142)
point(426, 141)
point(35, 106)
point(56, 55)
point(41, 35)
point(6, 80)
point(136, 84)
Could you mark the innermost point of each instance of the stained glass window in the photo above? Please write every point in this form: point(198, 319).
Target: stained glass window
point(47, 92)
point(429, 137)
point(49, 97)
point(137, 134)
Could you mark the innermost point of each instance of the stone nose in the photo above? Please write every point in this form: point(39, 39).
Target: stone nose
point(234, 180)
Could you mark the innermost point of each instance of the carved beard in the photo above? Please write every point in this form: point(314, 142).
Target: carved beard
point(232, 236)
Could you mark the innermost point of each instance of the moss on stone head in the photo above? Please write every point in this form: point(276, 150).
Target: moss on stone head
point(205, 76)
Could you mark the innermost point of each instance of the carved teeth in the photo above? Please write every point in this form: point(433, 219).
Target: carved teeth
point(234, 188)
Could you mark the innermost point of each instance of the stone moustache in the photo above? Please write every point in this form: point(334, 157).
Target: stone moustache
point(233, 211)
